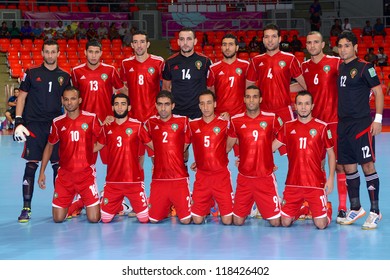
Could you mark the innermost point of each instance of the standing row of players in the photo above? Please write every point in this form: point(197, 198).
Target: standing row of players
point(187, 73)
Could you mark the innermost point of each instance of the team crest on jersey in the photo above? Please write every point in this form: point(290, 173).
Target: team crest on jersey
point(329, 134)
point(263, 124)
point(216, 130)
point(174, 126)
point(282, 63)
point(326, 68)
point(61, 80)
point(105, 201)
point(198, 64)
point(129, 131)
point(55, 195)
point(353, 73)
point(151, 70)
point(313, 132)
point(239, 71)
point(372, 72)
point(104, 76)
point(84, 126)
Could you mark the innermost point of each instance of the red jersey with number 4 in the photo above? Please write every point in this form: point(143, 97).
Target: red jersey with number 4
point(255, 136)
point(143, 80)
point(122, 142)
point(77, 139)
point(209, 143)
point(306, 144)
point(169, 139)
point(229, 85)
point(273, 75)
point(321, 82)
point(96, 88)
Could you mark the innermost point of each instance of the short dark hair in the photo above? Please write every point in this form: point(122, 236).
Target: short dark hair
point(120, 95)
point(316, 33)
point(208, 92)
point(255, 88)
point(186, 28)
point(348, 35)
point(140, 32)
point(73, 88)
point(272, 26)
point(93, 43)
point(50, 42)
point(165, 93)
point(303, 93)
point(231, 36)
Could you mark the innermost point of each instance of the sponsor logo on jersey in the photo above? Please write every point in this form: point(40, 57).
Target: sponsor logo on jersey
point(84, 126)
point(221, 73)
point(280, 121)
point(282, 63)
point(263, 124)
point(198, 64)
point(151, 70)
point(174, 126)
point(37, 79)
point(131, 69)
point(176, 67)
point(216, 130)
point(313, 132)
point(293, 132)
point(307, 70)
point(239, 71)
point(243, 126)
point(326, 68)
point(110, 132)
point(261, 64)
point(197, 131)
point(129, 131)
point(353, 72)
point(82, 77)
point(156, 127)
point(61, 80)
point(372, 72)
point(63, 128)
point(329, 134)
point(104, 76)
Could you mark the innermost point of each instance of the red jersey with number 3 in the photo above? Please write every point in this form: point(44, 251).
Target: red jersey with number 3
point(143, 80)
point(229, 85)
point(273, 75)
point(209, 143)
point(122, 142)
point(96, 88)
point(306, 144)
point(255, 136)
point(77, 139)
point(169, 139)
point(321, 82)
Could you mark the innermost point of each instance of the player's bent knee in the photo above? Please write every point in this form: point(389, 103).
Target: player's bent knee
point(227, 220)
point(274, 222)
point(185, 221)
point(286, 222)
point(197, 220)
point(238, 221)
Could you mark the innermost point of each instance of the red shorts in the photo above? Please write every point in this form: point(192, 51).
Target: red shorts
point(209, 186)
point(262, 190)
point(115, 192)
point(164, 193)
point(293, 197)
point(68, 184)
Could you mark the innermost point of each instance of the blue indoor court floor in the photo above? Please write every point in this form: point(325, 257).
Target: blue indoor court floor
point(126, 239)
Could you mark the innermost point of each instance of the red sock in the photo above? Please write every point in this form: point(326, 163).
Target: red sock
point(76, 205)
point(342, 191)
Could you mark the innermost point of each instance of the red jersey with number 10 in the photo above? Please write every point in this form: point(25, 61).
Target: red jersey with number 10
point(169, 139)
point(255, 136)
point(77, 139)
point(209, 143)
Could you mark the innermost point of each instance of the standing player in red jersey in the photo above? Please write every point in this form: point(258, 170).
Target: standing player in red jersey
point(306, 139)
point(212, 179)
point(122, 138)
point(255, 130)
point(142, 73)
point(227, 78)
point(76, 131)
point(272, 73)
point(321, 73)
point(170, 137)
point(97, 82)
